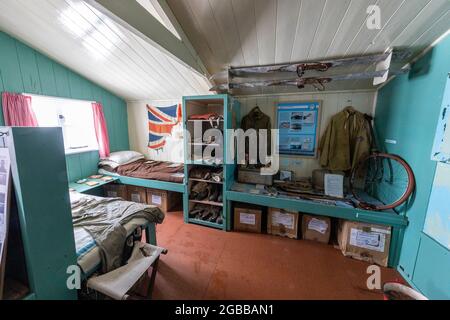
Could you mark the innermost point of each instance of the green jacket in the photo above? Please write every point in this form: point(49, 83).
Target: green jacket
point(346, 141)
point(257, 120)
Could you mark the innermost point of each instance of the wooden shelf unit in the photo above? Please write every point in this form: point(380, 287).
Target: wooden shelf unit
point(227, 107)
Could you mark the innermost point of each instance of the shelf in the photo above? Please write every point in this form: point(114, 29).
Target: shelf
point(206, 223)
point(203, 163)
point(210, 203)
point(207, 181)
point(204, 144)
point(83, 187)
point(310, 207)
point(198, 120)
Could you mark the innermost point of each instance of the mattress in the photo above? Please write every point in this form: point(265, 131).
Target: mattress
point(88, 253)
point(148, 169)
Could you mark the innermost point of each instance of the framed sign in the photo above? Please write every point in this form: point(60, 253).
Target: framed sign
point(298, 125)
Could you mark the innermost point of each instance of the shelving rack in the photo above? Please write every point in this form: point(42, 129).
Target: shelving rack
point(229, 108)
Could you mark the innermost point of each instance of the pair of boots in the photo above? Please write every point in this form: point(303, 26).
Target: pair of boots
point(206, 213)
point(205, 191)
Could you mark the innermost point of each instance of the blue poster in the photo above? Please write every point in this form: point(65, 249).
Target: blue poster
point(298, 128)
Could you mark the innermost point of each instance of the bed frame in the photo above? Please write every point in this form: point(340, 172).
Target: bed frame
point(153, 184)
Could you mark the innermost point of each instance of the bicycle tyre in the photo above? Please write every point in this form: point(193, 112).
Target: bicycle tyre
point(402, 199)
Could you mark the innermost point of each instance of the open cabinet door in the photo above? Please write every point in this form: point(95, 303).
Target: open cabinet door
point(433, 259)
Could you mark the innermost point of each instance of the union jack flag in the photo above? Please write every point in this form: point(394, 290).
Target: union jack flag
point(161, 121)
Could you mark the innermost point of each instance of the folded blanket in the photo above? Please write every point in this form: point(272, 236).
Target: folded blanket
point(153, 170)
point(103, 219)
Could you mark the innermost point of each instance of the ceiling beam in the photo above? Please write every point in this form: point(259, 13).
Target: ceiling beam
point(132, 16)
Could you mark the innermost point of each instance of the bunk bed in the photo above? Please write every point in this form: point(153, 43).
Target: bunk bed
point(131, 168)
point(103, 218)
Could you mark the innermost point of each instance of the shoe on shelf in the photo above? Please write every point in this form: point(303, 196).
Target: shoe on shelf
point(215, 194)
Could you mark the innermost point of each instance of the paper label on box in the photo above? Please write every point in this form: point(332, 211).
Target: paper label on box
point(112, 194)
point(156, 199)
point(136, 197)
point(318, 225)
point(285, 219)
point(368, 240)
point(247, 218)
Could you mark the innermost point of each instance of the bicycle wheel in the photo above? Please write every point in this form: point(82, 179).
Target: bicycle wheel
point(382, 181)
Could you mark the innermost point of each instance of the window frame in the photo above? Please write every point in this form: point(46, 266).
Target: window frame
point(60, 111)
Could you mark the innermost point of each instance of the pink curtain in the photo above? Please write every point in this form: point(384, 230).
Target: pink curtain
point(17, 110)
point(101, 129)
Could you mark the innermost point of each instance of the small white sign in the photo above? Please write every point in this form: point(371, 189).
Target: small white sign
point(334, 185)
point(368, 240)
point(285, 219)
point(320, 226)
point(112, 194)
point(156, 199)
point(247, 218)
point(136, 197)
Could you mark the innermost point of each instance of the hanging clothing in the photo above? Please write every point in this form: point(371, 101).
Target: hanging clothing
point(101, 130)
point(17, 110)
point(257, 120)
point(346, 141)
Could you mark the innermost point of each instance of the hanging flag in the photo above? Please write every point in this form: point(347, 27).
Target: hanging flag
point(161, 121)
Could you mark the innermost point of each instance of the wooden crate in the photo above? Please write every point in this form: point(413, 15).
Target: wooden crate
point(115, 191)
point(163, 199)
point(282, 223)
point(254, 176)
point(247, 219)
point(136, 194)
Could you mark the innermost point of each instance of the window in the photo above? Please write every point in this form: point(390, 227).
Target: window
point(74, 116)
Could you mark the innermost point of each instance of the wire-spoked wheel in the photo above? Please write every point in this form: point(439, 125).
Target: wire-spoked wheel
point(382, 182)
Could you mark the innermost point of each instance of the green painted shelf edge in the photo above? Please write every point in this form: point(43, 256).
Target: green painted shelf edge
point(206, 223)
point(83, 187)
point(381, 218)
point(153, 184)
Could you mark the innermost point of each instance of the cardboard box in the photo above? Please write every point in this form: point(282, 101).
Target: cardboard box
point(282, 223)
point(247, 219)
point(163, 199)
point(316, 228)
point(115, 191)
point(363, 241)
point(136, 194)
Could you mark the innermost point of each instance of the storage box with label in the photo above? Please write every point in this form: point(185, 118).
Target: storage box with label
point(163, 199)
point(282, 223)
point(136, 194)
point(247, 219)
point(316, 228)
point(363, 241)
point(115, 191)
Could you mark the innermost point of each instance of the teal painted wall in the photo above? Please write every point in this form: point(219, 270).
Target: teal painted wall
point(407, 111)
point(23, 69)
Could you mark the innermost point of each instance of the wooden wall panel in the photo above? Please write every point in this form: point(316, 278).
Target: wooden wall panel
point(22, 69)
point(332, 103)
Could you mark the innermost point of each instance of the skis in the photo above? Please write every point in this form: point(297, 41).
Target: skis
point(317, 82)
point(322, 66)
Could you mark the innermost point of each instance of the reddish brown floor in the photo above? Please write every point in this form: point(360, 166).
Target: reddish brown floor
point(205, 263)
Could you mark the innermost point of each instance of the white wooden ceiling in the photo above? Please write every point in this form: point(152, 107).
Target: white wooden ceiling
point(258, 32)
point(83, 39)
point(224, 33)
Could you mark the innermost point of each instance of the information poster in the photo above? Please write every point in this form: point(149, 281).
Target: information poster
point(4, 209)
point(298, 125)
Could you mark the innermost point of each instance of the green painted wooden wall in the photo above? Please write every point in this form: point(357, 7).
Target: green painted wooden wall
point(408, 109)
point(23, 69)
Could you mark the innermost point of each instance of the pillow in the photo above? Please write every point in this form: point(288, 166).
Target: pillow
point(124, 157)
